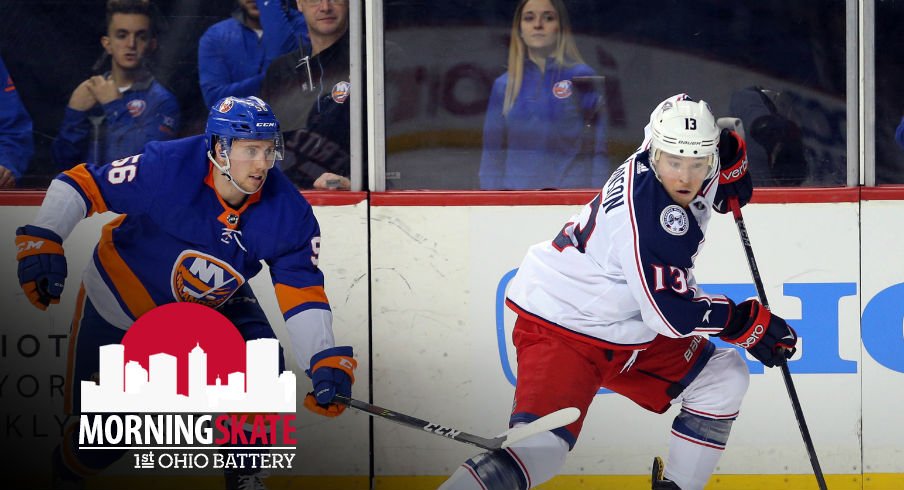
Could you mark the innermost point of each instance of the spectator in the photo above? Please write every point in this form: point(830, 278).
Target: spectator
point(309, 93)
point(543, 124)
point(774, 142)
point(899, 133)
point(113, 115)
point(16, 145)
point(233, 54)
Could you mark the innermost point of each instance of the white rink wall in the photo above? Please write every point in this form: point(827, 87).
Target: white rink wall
point(437, 354)
point(441, 349)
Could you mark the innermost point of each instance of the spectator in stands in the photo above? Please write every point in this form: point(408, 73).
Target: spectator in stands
point(544, 125)
point(899, 133)
point(16, 145)
point(775, 146)
point(309, 92)
point(233, 55)
point(113, 115)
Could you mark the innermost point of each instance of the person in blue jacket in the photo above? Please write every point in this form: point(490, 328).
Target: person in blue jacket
point(113, 115)
point(16, 144)
point(544, 128)
point(233, 54)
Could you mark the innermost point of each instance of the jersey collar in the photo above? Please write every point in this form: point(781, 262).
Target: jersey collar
point(230, 217)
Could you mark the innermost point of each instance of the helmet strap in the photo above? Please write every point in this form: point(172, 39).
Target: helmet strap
point(224, 170)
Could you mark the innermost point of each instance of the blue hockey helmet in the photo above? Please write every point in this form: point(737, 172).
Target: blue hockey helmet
point(242, 118)
point(236, 118)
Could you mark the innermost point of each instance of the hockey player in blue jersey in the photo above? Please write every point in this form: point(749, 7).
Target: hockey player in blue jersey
point(189, 206)
point(611, 301)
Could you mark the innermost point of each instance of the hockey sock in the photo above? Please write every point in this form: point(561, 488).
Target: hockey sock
point(695, 446)
point(523, 465)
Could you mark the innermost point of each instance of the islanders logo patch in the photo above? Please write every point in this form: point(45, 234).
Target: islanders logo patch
point(340, 92)
point(562, 89)
point(136, 107)
point(203, 279)
point(225, 105)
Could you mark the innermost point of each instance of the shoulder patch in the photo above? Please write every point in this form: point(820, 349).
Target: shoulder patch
point(674, 220)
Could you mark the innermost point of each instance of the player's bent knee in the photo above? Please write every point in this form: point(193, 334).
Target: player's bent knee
point(736, 377)
point(719, 390)
point(523, 465)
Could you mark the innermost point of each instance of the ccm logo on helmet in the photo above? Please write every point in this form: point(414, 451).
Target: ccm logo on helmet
point(754, 337)
point(266, 125)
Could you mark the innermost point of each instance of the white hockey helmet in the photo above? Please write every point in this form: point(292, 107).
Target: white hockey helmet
point(685, 128)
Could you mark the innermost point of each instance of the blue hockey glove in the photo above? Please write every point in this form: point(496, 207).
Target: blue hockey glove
point(767, 337)
point(332, 371)
point(734, 180)
point(42, 265)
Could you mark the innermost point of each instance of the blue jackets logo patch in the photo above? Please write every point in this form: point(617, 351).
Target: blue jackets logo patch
point(674, 220)
point(201, 278)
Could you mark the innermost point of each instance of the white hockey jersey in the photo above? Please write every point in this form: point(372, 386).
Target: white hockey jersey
point(621, 271)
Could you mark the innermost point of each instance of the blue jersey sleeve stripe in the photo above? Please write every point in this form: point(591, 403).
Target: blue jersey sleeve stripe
point(306, 306)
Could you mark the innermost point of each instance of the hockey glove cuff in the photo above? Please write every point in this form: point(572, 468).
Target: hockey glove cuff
point(767, 337)
point(332, 371)
point(42, 265)
point(734, 180)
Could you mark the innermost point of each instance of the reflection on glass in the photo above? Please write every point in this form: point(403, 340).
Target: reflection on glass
point(889, 15)
point(543, 124)
point(439, 91)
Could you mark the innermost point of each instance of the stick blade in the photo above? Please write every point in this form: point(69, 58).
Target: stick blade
point(559, 418)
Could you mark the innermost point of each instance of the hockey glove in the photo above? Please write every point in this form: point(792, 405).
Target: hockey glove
point(332, 371)
point(766, 337)
point(42, 265)
point(734, 180)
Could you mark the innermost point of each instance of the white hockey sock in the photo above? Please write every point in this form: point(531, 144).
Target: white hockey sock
point(525, 464)
point(690, 464)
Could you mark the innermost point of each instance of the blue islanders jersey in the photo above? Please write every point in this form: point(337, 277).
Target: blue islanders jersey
point(621, 271)
point(177, 240)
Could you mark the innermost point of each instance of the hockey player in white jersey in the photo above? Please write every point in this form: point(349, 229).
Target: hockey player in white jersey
point(611, 301)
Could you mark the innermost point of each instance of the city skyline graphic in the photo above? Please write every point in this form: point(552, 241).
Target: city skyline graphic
point(129, 387)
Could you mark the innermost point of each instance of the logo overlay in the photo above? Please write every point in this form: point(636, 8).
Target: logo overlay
point(183, 381)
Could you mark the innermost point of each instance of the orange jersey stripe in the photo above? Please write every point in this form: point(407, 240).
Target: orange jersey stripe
point(289, 297)
point(127, 284)
point(70, 357)
point(84, 179)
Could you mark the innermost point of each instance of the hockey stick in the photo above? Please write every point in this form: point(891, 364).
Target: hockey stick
point(786, 373)
point(554, 420)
